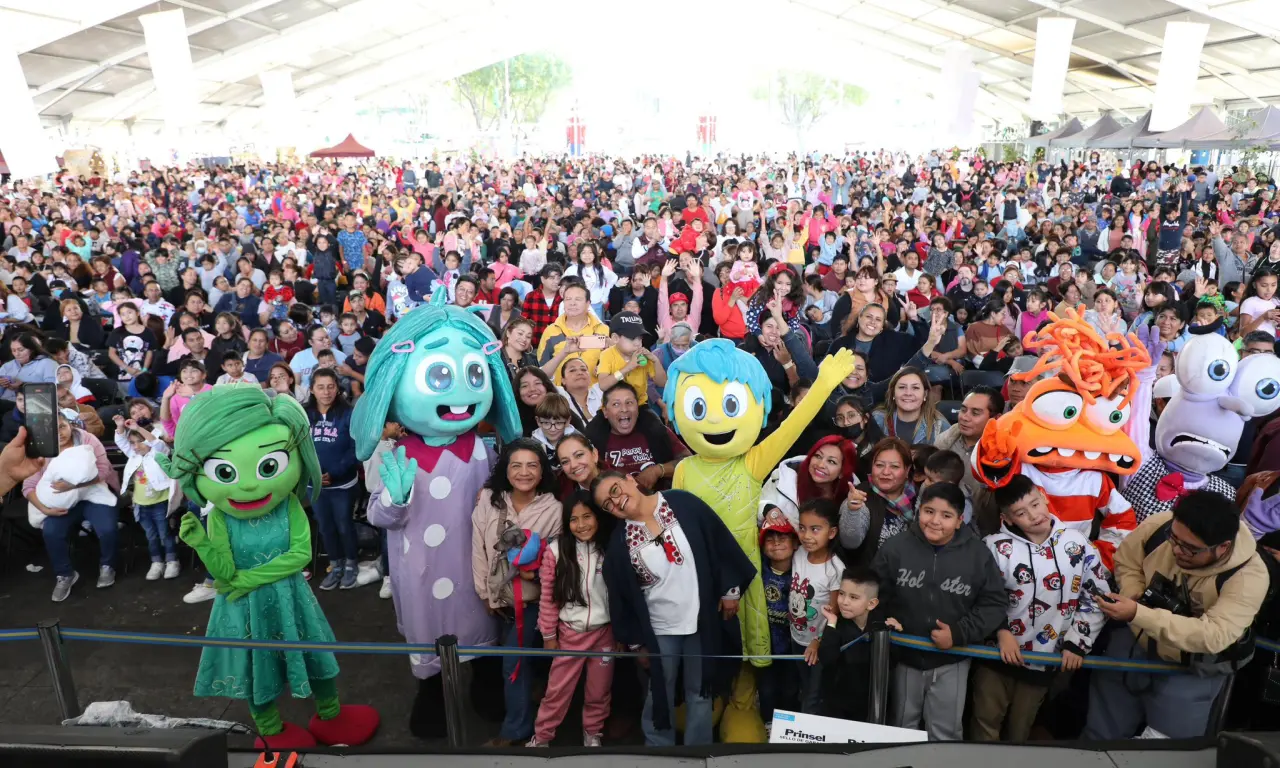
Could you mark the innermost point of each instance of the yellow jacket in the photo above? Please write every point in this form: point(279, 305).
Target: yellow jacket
point(1223, 617)
point(558, 333)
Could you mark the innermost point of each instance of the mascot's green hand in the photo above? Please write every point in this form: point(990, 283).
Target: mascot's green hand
point(233, 589)
point(398, 474)
point(191, 532)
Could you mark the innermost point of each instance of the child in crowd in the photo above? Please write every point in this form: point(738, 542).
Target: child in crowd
point(815, 576)
point(452, 271)
point(353, 368)
point(1208, 315)
point(778, 544)
point(552, 415)
point(191, 382)
point(624, 359)
point(151, 486)
point(233, 370)
point(574, 615)
point(845, 680)
point(1037, 312)
point(948, 467)
point(940, 582)
point(348, 333)
point(1049, 572)
point(329, 319)
point(278, 294)
point(744, 276)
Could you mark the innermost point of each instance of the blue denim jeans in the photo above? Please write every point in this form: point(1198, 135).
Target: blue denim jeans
point(332, 510)
point(59, 530)
point(328, 291)
point(678, 651)
point(521, 710)
point(154, 519)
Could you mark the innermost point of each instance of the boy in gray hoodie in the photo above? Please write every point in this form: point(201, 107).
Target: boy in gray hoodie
point(940, 581)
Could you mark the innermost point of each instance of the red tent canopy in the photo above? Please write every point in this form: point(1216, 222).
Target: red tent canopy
point(348, 147)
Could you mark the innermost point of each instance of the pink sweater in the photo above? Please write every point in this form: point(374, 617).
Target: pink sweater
point(176, 404)
point(105, 473)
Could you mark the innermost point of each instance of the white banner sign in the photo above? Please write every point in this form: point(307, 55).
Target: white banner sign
point(798, 728)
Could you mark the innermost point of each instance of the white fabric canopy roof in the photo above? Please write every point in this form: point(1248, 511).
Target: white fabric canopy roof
point(85, 60)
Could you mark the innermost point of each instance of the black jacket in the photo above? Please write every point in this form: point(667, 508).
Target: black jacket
point(890, 351)
point(845, 688)
point(721, 566)
point(957, 584)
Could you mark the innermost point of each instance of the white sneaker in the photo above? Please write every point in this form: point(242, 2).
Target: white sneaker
point(367, 573)
point(591, 739)
point(385, 592)
point(155, 571)
point(200, 593)
point(172, 569)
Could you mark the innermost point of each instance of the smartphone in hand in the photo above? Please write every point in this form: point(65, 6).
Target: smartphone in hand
point(41, 419)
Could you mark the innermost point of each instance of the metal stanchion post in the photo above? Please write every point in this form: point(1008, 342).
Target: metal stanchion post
point(450, 672)
point(64, 688)
point(879, 688)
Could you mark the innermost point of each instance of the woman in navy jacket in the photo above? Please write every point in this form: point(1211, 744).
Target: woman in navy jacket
point(330, 417)
point(674, 574)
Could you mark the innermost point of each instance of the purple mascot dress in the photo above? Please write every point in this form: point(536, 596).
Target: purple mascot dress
point(437, 373)
point(429, 546)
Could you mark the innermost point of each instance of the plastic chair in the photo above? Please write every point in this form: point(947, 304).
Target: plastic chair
point(942, 376)
point(950, 410)
point(971, 379)
point(104, 391)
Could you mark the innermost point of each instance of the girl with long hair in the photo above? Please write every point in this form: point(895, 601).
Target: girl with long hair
point(598, 278)
point(782, 284)
point(574, 615)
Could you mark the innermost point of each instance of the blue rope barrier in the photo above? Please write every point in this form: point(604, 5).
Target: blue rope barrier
point(989, 653)
point(986, 652)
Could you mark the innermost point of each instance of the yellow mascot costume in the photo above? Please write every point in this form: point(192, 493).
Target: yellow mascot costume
point(719, 398)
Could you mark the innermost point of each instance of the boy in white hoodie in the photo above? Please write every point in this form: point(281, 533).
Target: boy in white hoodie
point(151, 488)
point(1050, 573)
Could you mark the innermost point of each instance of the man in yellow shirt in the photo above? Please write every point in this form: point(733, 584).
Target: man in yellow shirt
point(627, 359)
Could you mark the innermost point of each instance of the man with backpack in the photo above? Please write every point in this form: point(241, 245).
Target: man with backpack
point(1191, 582)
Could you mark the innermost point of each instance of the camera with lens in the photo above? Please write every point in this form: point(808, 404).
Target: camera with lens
point(1163, 594)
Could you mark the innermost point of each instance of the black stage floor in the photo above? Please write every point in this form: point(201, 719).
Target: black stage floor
point(158, 680)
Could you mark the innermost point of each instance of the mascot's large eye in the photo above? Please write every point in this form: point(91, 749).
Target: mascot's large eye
point(440, 377)
point(736, 400)
point(475, 375)
point(1058, 409)
point(1257, 382)
point(1107, 415)
point(1219, 370)
point(221, 471)
point(695, 404)
point(273, 464)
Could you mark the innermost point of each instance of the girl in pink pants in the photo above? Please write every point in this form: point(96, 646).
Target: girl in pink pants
point(573, 615)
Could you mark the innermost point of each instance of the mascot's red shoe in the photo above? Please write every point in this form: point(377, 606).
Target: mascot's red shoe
point(354, 725)
point(292, 737)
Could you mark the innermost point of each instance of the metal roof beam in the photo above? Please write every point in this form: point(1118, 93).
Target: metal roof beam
point(1217, 13)
point(140, 50)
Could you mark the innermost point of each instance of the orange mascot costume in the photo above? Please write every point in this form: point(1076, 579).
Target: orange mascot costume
point(1068, 432)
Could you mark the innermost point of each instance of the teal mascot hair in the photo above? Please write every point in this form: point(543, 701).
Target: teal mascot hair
point(386, 368)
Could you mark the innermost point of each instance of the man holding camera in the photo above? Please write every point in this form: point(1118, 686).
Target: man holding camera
point(1191, 582)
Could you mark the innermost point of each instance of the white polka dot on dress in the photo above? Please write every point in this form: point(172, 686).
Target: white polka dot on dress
point(440, 488)
point(434, 535)
point(416, 659)
point(405, 541)
point(441, 589)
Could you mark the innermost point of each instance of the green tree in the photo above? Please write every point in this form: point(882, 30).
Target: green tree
point(805, 98)
point(533, 78)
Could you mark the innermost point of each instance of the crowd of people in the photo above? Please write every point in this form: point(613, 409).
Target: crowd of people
point(136, 292)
